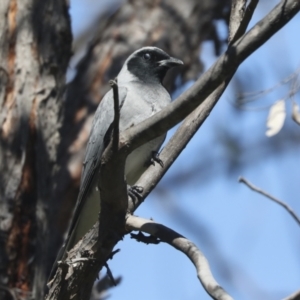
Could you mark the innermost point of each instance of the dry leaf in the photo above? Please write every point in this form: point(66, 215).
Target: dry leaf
point(276, 118)
point(296, 113)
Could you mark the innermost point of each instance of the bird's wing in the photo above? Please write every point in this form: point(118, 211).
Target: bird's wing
point(103, 119)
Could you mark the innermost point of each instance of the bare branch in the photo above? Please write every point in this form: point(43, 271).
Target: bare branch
point(260, 191)
point(238, 8)
point(248, 16)
point(113, 164)
point(177, 143)
point(240, 18)
point(210, 80)
point(184, 245)
point(110, 274)
point(114, 85)
point(248, 97)
point(180, 139)
point(140, 237)
point(295, 296)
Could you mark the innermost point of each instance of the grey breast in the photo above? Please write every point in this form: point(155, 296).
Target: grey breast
point(142, 102)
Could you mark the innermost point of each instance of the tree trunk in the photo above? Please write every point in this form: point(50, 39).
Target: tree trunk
point(35, 51)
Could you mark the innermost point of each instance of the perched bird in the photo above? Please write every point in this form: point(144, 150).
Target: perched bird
point(141, 95)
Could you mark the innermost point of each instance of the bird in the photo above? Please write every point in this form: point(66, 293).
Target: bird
point(141, 95)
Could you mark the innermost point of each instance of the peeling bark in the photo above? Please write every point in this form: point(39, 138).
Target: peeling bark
point(35, 50)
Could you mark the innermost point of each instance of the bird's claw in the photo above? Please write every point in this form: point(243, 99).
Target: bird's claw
point(135, 192)
point(155, 158)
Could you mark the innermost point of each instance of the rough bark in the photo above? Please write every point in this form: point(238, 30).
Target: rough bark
point(43, 134)
point(35, 50)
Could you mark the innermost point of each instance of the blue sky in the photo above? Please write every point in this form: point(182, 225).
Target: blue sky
point(251, 243)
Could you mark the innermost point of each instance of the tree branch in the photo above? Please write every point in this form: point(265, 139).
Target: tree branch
point(247, 17)
point(183, 135)
point(281, 203)
point(91, 253)
point(110, 274)
point(140, 237)
point(114, 85)
point(238, 8)
point(174, 147)
point(184, 245)
point(239, 18)
point(210, 80)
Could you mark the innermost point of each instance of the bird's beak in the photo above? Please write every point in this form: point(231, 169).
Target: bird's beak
point(170, 62)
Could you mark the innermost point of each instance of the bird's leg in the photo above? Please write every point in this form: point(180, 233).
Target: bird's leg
point(155, 158)
point(134, 192)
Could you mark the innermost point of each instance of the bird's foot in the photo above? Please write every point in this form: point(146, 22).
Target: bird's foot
point(135, 192)
point(155, 158)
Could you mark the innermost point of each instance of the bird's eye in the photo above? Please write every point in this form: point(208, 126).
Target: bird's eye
point(147, 56)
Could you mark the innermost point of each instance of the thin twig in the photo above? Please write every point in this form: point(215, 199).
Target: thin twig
point(248, 97)
point(184, 245)
point(260, 191)
point(114, 85)
point(113, 253)
point(110, 275)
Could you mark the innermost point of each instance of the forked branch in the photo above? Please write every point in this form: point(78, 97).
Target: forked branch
point(184, 245)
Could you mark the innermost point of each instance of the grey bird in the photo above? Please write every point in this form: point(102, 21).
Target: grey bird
point(141, 95)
